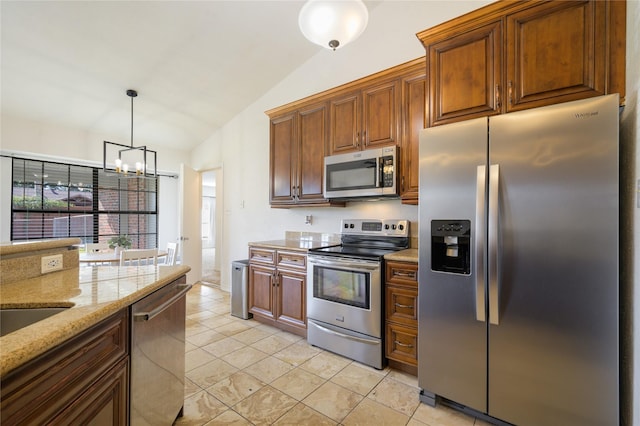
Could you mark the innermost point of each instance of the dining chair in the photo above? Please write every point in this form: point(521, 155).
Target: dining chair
point(172, 254)
point(96, 247)
point(139, 257)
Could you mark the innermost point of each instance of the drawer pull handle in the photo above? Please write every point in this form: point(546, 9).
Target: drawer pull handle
point(405, 345)
point(398, 305)
point(404, 274)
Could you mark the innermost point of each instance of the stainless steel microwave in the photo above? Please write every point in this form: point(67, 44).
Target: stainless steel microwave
point(362, 174)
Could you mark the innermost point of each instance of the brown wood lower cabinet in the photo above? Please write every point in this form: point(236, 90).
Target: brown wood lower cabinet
point(277, 288)
point(401, 315)
point(82, 381)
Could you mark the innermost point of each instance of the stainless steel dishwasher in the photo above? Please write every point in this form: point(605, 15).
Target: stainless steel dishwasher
point(157, 355)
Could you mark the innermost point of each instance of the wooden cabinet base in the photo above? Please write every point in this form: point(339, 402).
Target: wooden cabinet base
point(401, 366)
point(277, 288)
point(88, 370)
point(281, 325)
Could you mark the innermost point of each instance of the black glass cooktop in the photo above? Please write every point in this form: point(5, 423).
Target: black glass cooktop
point(364, 252)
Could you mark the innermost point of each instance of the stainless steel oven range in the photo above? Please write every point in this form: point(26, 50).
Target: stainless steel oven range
point(345, 306)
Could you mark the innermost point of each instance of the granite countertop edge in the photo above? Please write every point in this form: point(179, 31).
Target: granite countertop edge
point(19, 247)
point(408, 255)
point(293, 244)
point(91, 293)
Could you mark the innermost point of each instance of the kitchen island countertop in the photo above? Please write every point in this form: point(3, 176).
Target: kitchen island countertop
point(91, 293)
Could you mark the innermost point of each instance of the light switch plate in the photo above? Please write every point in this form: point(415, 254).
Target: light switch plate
point(51, 263)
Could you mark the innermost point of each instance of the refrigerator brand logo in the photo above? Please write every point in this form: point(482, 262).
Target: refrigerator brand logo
point(586, 114)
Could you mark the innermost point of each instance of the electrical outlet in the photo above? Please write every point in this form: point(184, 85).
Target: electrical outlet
point(51, 263)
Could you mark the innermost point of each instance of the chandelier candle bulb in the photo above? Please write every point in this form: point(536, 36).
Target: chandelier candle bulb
point(125, 168)
point(118, 165)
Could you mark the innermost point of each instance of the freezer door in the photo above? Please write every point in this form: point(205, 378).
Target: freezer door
point(452, 327)
point(553, 337)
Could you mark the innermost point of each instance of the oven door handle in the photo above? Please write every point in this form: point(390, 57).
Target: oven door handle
point(352, 266)
point(346, 336)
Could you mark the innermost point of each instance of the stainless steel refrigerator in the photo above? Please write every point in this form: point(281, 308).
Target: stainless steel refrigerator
point(518, 268)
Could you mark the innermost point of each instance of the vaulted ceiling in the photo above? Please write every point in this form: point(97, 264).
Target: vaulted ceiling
point(195, 64)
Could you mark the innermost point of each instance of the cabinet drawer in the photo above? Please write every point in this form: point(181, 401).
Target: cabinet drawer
point(402, 344)
point(402, 305)
point(261, 255)
point(286, 259)
point(403, 273)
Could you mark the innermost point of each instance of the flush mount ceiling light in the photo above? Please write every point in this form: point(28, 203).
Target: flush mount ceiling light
point(125, 155)
point(333, 23)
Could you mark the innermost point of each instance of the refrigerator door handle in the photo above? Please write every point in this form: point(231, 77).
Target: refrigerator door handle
point(494, 257)
point(481, 184)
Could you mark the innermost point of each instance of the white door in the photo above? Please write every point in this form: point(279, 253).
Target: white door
point(189, 218)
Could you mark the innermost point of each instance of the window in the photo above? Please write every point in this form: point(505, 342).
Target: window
point(55, 200)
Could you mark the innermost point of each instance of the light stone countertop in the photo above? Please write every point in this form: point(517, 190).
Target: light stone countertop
point(92, 293)
point(293, 244)
point(15, 247)
point(408, 255)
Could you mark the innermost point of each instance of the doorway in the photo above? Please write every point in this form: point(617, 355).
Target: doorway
point(209, 226)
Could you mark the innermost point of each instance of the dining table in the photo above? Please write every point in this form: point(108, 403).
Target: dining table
point(107, 256)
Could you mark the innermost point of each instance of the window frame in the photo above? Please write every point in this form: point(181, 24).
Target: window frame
point(136, 203)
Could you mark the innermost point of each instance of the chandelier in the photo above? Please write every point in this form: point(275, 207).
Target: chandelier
point(333, 23)
point(121, 157)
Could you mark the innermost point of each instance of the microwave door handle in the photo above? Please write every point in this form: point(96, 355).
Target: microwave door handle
point(379, 172)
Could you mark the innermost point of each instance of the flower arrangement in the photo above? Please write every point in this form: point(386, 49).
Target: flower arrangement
point(122, 241)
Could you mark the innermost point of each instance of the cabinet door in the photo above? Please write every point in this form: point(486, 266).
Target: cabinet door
point(261, 284)
point(104, 403)
point(282, 161)
point(291, 296)
point(465, 72)
point(556, 52)
point(380, 115)
point(414, 119)
point(311, 152)
point(344, 123)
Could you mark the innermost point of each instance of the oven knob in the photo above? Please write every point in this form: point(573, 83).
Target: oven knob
point(401, 227)
point(352, 226)
point(386, 227)
point(346, 226)
point(393, 227)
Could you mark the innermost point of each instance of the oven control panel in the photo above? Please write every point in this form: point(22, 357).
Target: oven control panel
point(382, 227)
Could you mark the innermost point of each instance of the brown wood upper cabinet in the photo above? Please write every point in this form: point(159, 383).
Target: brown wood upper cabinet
point(298, 146)
point(366, 118)
point(386, 108)
point(510, 56)
point(414, 119)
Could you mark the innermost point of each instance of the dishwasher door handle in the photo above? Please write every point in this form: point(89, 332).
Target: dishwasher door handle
point(147, 316)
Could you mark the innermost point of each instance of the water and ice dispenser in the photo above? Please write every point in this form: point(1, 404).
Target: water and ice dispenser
point(451, 246)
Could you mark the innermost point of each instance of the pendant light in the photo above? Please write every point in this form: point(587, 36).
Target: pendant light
point(123, 155)
point(333, 23)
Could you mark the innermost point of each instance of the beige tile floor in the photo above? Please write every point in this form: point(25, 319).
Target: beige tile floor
point(242, 372)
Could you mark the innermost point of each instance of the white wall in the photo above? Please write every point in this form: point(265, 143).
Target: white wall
point(630, 223)
point(34, 139)
point(242, 145)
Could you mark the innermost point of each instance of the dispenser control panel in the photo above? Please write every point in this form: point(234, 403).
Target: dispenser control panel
point(451, 246)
